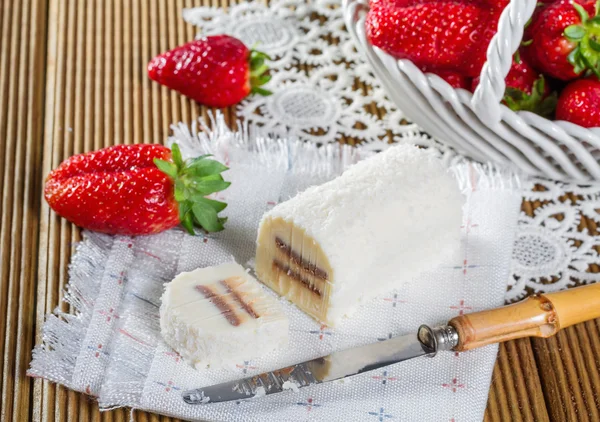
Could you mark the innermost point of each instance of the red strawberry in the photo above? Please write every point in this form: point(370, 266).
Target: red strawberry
point(448, 36)
point(527, 90)
point(217, 71)
point(562, 40)
point(579, 103)
point(405, 3)
point(455, 80)
point(136, 189)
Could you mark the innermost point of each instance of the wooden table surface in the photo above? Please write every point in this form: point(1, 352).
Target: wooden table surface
point(72, 79)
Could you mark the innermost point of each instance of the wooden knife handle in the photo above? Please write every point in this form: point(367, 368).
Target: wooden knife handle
point(536, 316)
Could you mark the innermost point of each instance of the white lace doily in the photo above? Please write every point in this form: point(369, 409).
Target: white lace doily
point(324, 90)
point(556, 247)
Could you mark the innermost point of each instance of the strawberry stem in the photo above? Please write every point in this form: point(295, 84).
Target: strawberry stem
point(258, 72)
point(586, 37)
point(537, 102)
point(193, 180)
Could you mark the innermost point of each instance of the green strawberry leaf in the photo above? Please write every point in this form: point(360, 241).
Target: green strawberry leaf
point(180, 194)
point(193, 180)
point(517, 57)
point(206, 216)
point(594, 44)
point(184, 208)
point(167, 167)
point(257, 62)
point(177, 159)
point(583, 14)
point(261, 91)
point(547, 107)
point(205, 167)
point(572, 57)
point(586, 37)
point(536, 102)
point(595, 20)
point(206, 187)
point(575, 32)
point(193, 160)
point(188, 222)
point(218, 206)
point(255, 54)
point(512, 97)
point(587, 60)
point(213, 177)
point(258, 68)
point(263, 79)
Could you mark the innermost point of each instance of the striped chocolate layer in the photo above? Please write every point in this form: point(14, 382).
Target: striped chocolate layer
point(226, 308)
point(299, 261)
point(238, 298)
point(297, 277)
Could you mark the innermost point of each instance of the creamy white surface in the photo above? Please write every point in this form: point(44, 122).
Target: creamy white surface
point(194, 326)
point(382, 222)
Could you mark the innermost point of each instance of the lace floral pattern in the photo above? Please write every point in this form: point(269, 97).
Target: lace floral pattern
point(557, 247)
point(323, 89)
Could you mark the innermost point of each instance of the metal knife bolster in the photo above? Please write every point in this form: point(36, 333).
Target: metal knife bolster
point(441, 338)
point(344, 363)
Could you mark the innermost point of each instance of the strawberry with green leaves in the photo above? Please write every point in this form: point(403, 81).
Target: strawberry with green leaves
point(136, 190)
point(526, 89)
point(217, 71)
point(563, 39)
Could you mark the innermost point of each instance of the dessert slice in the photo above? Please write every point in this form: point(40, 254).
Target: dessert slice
point(221, 315)
point(364, 233)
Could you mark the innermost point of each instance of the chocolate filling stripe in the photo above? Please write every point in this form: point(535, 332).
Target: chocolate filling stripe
point(240, 300)
point(297, 259)
point(295, 276)
point(223, 306)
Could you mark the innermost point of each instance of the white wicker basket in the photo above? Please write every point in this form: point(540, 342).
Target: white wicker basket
point(478, 125)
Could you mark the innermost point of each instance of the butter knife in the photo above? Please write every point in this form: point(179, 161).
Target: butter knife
point(536, 316)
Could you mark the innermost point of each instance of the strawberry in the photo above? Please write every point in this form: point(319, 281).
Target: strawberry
point(404, 3)
point(526, 89)
point(136, 189)
point(579, 103)
point(562, 40)
point(441, 36)
point(217, 71)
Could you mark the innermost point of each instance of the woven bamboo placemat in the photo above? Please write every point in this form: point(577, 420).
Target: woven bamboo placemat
point(72, 79)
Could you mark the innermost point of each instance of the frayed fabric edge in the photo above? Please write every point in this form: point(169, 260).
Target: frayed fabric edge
point(63, 333)
point(125, 378)
point(252, 147)
point(473, 176)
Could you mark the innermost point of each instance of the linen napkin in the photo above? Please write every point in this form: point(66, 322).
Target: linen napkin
point(112, 347)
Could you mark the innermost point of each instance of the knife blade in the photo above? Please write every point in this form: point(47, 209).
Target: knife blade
point(334, 366)
point(537, 316)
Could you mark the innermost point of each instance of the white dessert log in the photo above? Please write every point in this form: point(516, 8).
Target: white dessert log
point(381, 222)
point(221, 315)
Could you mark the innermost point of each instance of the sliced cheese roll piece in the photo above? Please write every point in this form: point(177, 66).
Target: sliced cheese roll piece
point(221, 315)
point(364, 233)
